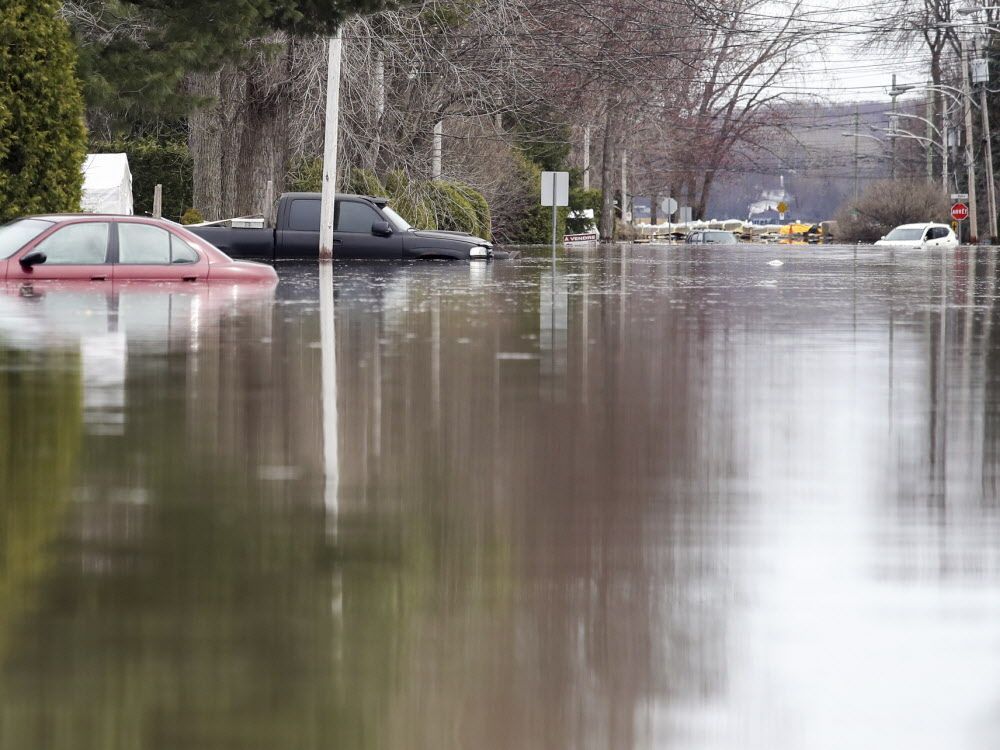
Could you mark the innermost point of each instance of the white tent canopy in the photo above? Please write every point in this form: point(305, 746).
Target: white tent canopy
point(107, 184)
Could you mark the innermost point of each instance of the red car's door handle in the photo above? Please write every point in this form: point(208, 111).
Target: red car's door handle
point(190, 278)
point(98, 278)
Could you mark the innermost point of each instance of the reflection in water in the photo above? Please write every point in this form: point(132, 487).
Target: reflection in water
point(667, 498)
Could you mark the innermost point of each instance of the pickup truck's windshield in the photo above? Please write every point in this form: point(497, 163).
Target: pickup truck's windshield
point(398, 221)
point(17, 234)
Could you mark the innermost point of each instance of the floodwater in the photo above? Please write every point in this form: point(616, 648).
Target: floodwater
point(665, 497)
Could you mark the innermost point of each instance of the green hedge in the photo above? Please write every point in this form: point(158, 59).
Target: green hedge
point(155, 163)
point(43, 140)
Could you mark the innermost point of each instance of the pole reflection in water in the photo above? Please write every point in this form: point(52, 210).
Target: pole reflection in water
point(328, 349)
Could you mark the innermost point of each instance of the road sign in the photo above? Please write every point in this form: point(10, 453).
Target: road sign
point(669, 206)
point(960, 212)
point(782, 207)
point(961, 197)
point(555, 183)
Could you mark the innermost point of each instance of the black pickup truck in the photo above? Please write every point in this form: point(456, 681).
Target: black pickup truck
point(364, 227)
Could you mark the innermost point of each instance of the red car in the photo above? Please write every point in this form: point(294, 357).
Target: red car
point(115, 248)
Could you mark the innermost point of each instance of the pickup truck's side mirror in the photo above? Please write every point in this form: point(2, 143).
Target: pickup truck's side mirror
point(33, 259)
point(382, 229)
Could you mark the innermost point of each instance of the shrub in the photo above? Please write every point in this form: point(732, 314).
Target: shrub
point(409, 200)
point(153, 163)
point(452, 210)
point(480, 206)
point(42, 135)
point(364, 182)
point(192, 216)
point(305, 175)
point(887, 204)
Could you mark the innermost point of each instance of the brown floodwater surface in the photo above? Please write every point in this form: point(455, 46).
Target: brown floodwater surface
point(646, 497)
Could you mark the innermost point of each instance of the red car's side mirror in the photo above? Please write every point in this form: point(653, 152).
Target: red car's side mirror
point(33, 259)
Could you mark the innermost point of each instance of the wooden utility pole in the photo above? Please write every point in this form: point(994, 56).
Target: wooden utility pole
point(970, 167)
point(991, 191)
point(331, 132)
point(586, 158)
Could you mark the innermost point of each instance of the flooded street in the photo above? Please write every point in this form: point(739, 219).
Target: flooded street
point(669, 497)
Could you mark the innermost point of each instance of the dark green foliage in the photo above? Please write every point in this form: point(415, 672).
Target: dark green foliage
point(154, 163)
point(42, 134)
point(579, 200)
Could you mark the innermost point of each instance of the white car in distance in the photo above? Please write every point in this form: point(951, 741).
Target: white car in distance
point(920, 237)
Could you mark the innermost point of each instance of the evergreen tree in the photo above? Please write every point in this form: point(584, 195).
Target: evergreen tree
point(42, 132)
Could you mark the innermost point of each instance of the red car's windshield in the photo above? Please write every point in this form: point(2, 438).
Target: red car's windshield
point(19, 233)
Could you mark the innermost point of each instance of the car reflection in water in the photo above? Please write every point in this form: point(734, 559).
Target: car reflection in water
point(105, 321)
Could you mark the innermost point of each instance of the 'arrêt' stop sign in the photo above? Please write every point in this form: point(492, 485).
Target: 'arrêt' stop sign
point(960, 212)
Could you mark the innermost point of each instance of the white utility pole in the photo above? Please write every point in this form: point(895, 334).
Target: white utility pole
point(331, 133)
point(158, 202)
point(970, 166)
point(586, 158)
point(624, 184)
point(436, 162)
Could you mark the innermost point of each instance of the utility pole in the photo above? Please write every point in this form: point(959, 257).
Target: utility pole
point(929, 114)
point(945, 141)
point(436, 159)
point(586, 158)
point(331, 132)
point(893, 93)
point(970, 167)
point(857, 125)
point(624, 184)
point(991, 193)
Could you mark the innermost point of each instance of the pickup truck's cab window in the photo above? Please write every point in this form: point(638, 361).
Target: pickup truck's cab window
point(303, 215)
point(356, 217)
point(76, 244)
point(144, 244)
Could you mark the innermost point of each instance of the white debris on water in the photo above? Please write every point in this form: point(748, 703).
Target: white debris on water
point(775, 263)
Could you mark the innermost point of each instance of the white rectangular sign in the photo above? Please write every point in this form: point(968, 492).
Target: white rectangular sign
point(980, 70)
point(557, 183)
point(960, 196)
